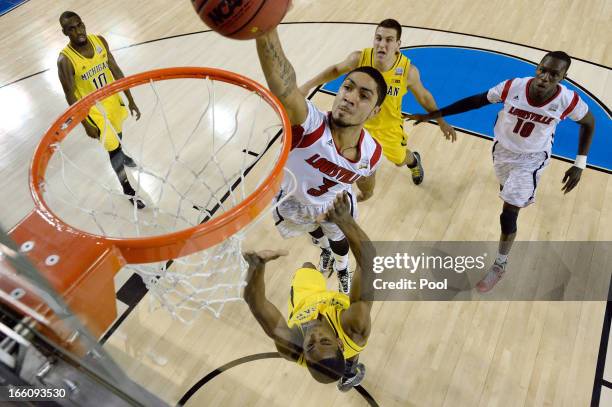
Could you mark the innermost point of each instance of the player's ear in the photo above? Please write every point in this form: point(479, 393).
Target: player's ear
point(374, 112)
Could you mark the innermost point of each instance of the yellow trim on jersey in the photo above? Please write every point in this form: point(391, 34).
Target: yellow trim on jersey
point(310, 298)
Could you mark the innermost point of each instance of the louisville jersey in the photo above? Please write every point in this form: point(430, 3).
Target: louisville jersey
point(92, 73)
point(524, 126)
point(321, 171)
point(390, 111)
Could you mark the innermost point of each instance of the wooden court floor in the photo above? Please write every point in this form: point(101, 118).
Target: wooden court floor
point(479, 353)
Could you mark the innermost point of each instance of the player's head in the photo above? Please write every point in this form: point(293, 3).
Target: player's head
point(387, 39)
point(359, 97)
point(73, 27)
point(323, 352)
point(551, 70)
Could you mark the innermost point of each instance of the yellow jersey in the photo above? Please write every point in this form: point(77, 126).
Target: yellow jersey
point(92, 73)
point(390, 115)
point(310, 298)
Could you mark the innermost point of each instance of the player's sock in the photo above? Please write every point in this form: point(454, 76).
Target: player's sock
point(501, 258)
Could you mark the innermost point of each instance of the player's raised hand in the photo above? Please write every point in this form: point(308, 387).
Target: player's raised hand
point(134, 110)
point(257, 260)
point(571, 178)
point(339, 212)
point(448, 131)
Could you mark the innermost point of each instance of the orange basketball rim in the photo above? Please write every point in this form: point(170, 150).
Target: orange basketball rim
point(79, 265)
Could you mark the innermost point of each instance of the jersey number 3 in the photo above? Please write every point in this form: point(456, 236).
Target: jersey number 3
point(523, 128)
point(321, 189)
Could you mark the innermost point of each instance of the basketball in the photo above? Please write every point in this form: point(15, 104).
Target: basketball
point(241, 19)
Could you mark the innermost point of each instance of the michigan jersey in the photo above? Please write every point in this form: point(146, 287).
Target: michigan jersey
point(524, 126)
point(390, 115)
point(310, 298)
point(91, 74)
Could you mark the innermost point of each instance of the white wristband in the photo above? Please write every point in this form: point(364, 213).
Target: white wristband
point(581, 161)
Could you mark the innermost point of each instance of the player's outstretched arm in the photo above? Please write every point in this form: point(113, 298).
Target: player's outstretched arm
point(332, 72)
point(280, 76)
point(356, 320)
point(573, 174)
point(266, 314)
point(118, 74)
point(427, 101)
point(464, 105)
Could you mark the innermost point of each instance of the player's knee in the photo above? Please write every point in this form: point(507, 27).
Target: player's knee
point(340, 247)
point(507, 219)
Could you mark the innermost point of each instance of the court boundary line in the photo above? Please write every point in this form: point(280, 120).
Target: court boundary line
point(326, 22)
point(251, 358)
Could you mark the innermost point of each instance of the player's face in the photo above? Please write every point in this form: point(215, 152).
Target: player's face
point(356, 100)
point(386, 44)
point(74, 28)
point(320, 342)
point(548, 75)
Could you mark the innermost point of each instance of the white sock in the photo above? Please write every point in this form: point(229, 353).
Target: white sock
point(340, 261)
point(501, 258)
point(323, 242)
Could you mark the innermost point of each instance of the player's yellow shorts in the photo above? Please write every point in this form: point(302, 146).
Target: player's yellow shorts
point(109, 122)
point(306, 282)
point(393, 143)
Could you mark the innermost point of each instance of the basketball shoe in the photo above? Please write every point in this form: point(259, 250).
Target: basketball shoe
point(417, 171)
point(495, 274)
point(326, 262)
point(347, 383)
point(344, 281)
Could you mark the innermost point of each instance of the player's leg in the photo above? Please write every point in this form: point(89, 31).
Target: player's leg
point(112, 144)
point(340, 252)
point(519, 175)
point(326, 259)
point(117, 113)
point(508, 223)
point(339, 246)
point(393, 143)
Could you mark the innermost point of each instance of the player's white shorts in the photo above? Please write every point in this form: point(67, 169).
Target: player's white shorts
point(293, 218)
point(518, 174)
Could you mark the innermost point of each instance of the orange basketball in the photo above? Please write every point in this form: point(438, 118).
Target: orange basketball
point(241, 19)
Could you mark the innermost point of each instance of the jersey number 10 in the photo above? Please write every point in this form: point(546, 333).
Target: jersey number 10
point(523, 128)
point(101, 80)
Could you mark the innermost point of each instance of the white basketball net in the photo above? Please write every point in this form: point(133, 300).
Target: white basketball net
point(201, 147)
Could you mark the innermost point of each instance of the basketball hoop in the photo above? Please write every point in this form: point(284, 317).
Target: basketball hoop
point(223, 180)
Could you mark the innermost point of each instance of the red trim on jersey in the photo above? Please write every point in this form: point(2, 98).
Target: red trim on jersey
point(504, 94)
point(571, 106)
point(301, 140)
point(359, 143)
point(534, 104)
point(376, 155)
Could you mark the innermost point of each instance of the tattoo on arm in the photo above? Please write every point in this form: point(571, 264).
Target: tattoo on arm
point(280, 65)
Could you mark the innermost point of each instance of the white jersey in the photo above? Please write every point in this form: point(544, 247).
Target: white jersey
point(321, 171)
point(524, 126)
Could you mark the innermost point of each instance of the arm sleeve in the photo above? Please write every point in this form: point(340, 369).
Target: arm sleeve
point(463, 105)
